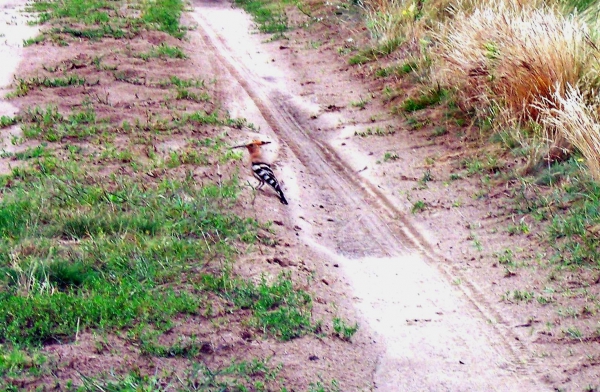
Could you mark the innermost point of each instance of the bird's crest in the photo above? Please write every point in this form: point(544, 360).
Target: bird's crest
point(255, 142)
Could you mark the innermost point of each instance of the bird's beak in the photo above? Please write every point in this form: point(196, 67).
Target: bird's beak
point(240, 146)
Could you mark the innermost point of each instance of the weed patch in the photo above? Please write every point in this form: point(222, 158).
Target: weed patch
point(430, 98)
point(163, 51)
point(277, 308)
point(165, 14)
point(257, 374)
point(270, 16)
point(576, 233)
point(381, 50)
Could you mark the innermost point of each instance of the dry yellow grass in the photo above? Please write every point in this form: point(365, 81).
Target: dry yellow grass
point(515, 61)
point(508, 55)
point(407, 19)
point(387, 20)
point(568, 115)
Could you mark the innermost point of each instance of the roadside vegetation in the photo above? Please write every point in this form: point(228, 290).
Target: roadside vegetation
point(121, 220)
point(525, 77)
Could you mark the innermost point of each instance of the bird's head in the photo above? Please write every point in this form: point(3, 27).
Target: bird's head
point(253, 144)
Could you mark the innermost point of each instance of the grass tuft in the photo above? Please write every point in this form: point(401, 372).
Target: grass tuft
point(165, 14)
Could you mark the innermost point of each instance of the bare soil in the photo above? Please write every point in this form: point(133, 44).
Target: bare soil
point(427, 289)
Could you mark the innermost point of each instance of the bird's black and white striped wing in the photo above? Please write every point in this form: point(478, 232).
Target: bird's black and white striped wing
point(263, 172)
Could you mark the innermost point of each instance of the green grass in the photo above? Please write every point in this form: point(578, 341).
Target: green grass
point(29, 153)
point(93, 34)
point(7, 121)
point(111, 19)
point(361, 103)
point(371, 54)
point(34, 40)
point(254, 375)
point(269, 16)
point(575, 232)
point(522, 295)
point(377, 131)
point(24, 86)
point(418, 206)
point(390, 156)
point(487, 164)
point(88, 11)
point(184, 93)
point(429, 98)
point(115, 274)
point(276, 308)
point(162, 51)
point(165, 15)
point(342, 330)
point(51, 125)
point(397, 70)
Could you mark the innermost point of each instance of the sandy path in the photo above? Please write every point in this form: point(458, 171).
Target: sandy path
point(434, 336)
point(13, 30)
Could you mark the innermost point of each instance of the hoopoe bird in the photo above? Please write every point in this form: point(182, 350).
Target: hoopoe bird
point(261, 170)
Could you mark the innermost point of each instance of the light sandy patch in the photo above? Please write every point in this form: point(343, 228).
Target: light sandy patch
point(14, 29)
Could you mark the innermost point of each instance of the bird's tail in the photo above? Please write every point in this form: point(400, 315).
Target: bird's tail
point(281, 196)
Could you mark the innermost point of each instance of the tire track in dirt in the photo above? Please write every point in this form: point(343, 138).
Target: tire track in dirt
point(380, 230)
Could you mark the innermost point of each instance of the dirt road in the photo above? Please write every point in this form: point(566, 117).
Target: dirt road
point(433, 335)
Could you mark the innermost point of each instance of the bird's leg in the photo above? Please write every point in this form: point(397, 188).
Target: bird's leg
point(260, 185)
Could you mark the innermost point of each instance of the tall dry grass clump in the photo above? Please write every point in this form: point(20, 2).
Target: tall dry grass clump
point(390, 19)
point(406, 19)
point(507, 55)
point(571, 116)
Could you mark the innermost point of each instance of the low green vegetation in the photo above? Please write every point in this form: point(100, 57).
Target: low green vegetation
point(397, 70)
point(7, 121)
point(24, 86)
point(377, 131)
point(164, 15)
point(342, 330)
point(418, 206)
point(575, 233)
point(429, 98)
point(258, 375)
point(104, 18)
point(108, 233)
point(162, 51)
point(381, 50)
point(270, 16)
